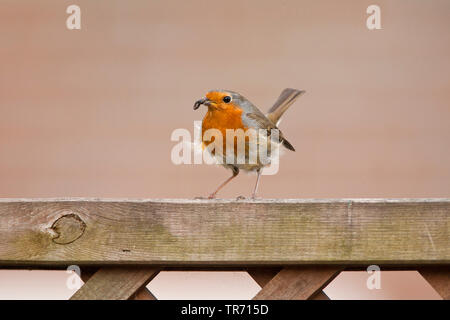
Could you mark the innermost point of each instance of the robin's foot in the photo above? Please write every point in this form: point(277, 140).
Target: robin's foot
point(248, 198)
point(254, 197)
point(211, 196)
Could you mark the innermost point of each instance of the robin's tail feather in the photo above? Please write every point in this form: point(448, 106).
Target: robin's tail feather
point(284, 101)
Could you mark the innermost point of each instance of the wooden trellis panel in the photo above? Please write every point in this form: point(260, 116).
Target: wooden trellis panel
point(292, 248)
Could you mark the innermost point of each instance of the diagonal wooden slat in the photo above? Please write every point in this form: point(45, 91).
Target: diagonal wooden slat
point(142, 294)
point(298, 283)
point(118, 283)
point(319, 295)
point(263, 275)
point(87, 273)
point(439, 279)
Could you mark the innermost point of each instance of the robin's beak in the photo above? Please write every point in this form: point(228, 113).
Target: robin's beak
point(204, 101)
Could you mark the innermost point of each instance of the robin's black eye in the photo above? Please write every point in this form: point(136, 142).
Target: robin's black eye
point(226, 99)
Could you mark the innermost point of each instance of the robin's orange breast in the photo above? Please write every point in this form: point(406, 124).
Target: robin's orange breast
point(223, 119)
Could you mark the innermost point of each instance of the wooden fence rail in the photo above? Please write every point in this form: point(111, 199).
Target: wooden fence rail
point(277, 241)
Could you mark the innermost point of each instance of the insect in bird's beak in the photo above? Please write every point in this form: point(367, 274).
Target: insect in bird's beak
point(198, 103)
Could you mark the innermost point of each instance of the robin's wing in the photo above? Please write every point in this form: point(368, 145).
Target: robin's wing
point(264, 123)
point(284, 101)
point(261, 120)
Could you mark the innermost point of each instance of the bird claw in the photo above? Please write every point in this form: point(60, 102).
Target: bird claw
point(248, 198)
point(211, 196)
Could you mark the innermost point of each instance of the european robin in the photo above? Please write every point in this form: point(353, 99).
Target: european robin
point(228, 110)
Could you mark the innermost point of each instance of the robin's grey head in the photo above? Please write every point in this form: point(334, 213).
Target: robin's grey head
point(221, 98)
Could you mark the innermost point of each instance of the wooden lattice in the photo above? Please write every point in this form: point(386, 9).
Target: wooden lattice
point(291, 248)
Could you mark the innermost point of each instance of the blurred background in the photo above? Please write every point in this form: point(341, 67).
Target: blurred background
point(90, 112)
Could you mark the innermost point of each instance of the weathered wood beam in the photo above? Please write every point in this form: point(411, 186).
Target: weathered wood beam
point(224, 232)
point(117, 283)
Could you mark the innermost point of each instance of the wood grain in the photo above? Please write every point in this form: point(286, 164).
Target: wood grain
point(224, 232)
point(299, 283)
point(117, 283)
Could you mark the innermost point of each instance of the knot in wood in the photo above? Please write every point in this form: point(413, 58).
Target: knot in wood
point(68, 228)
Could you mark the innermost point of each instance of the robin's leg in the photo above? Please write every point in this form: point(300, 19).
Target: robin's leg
point(235, 173)
point(257, 183)
point(255, 190)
